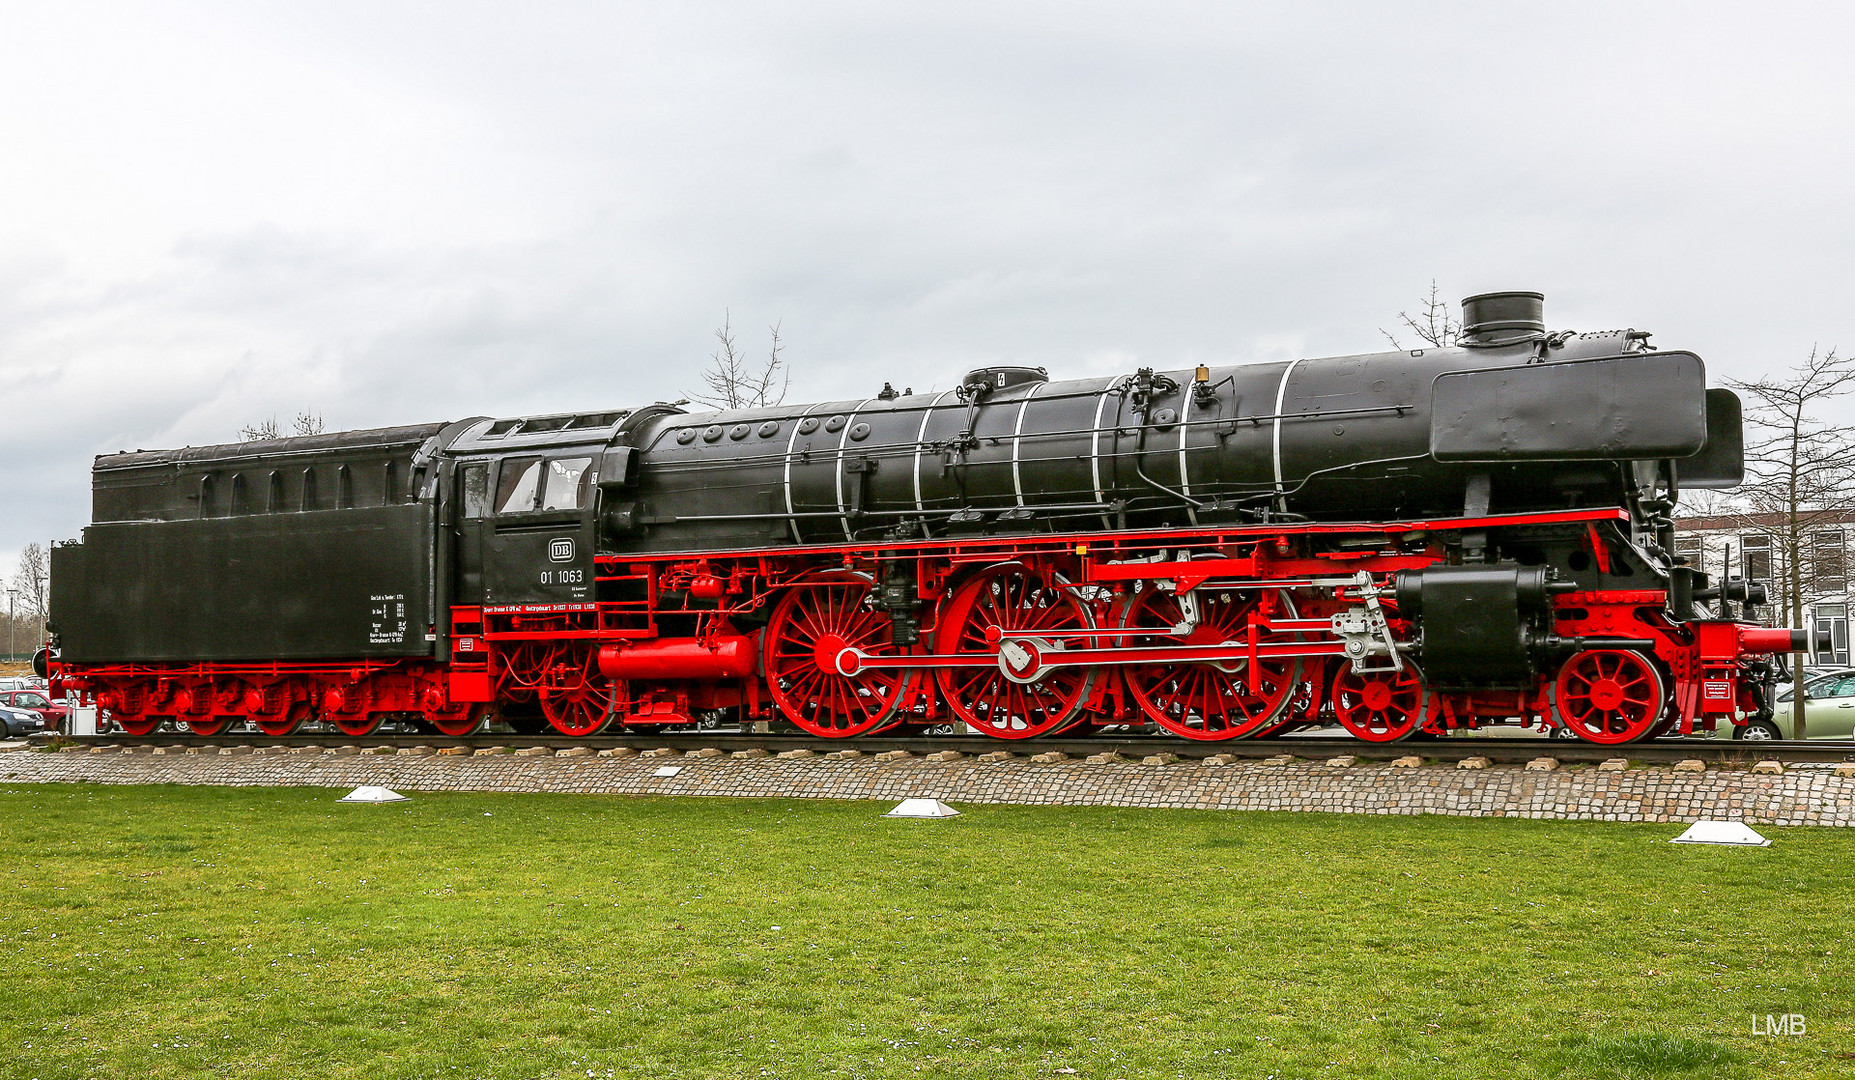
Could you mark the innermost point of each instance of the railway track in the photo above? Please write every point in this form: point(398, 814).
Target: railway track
point(1313, 748)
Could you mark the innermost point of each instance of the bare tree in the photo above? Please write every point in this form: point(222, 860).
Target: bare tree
point(1433, 324)
point(1799, 469)
point(735, 381)
point(306, 423)
point(29, 584)
point(263, 429)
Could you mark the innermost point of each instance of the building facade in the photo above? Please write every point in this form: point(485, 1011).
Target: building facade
point(1750, 546)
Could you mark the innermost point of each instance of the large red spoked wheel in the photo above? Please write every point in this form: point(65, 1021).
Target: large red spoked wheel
point(1207, 701)
point(1036, 700)
point(1610, 696)
point(1380, 706)
point(810, 628)
point(573, 696)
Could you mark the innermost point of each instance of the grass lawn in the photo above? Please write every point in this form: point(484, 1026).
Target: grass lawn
point(189, 931)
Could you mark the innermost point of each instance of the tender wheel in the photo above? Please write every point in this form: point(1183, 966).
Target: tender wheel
point(456, 720)
point(1380, 706)
point(1609, 696)
point(1757, 731)
point(138, 724)
point(210, 725)
point(812, 625)
point(1208, 701)
point(572, 697)
point(286, 723)
point(357, 725)
point(1019, 604)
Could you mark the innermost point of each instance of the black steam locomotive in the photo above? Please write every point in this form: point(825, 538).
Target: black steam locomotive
point(1405, 542)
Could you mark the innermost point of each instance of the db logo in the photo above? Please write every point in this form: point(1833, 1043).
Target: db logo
point(560, 550)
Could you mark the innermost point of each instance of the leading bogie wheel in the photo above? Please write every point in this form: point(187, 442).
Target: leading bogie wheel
point(1610, 696)
point(1380, 706)
point(805, 643)
point(1010, 601)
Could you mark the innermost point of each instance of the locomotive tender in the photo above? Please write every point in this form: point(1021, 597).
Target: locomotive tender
point(1407, 542)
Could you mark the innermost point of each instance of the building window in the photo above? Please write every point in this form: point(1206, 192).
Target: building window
point(344, 488)
point(1689, 548)
point(1826, 561)
point(273, 504)
point(309, 489)
point(1755, 562)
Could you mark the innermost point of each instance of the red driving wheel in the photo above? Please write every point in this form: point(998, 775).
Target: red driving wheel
point(1009, 601)
point(1207, 701)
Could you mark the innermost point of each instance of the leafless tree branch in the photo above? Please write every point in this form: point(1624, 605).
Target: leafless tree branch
point(1434, 324)
point(735, 381)
point(1800, 475)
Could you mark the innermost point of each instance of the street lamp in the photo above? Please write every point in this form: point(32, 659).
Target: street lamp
point(12, 597)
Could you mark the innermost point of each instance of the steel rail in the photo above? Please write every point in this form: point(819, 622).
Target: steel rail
point(1309, 748)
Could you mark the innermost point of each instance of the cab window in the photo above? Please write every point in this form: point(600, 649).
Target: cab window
point(519, 486)
point(475, 482)
point(567, 483)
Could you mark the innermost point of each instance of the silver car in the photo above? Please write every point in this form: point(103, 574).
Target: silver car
point(1828, 710)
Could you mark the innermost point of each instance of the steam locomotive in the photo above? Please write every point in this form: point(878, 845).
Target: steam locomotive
point(1404, 542)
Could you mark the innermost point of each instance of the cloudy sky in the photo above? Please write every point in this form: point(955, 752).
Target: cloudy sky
point(392, 211)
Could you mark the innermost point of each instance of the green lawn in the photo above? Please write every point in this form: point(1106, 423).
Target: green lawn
point(180, 932)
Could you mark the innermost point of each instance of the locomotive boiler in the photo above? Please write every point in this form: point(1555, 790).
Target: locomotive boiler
point(1402, 542)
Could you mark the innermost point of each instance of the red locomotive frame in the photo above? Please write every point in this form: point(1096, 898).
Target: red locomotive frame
point(1205, 633)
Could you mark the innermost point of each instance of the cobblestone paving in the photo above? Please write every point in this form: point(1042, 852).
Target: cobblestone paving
point(1799, 796)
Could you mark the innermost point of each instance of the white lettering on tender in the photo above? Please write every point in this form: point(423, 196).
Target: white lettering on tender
point(387, 612)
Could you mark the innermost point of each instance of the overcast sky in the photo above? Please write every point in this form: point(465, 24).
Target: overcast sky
point(390, 211)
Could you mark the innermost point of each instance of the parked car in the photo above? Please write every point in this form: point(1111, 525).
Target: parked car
point(1828, 710)
point(36, 701)
point(17, 722)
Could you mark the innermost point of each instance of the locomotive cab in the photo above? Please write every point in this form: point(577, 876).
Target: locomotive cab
point(524, 504)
